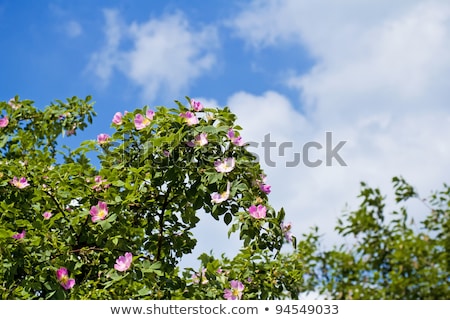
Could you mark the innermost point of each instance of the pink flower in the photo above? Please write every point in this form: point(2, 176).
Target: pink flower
point(102, 138)
point(235, 293)
point(190, 118)
point(47, 215)
point(20, 183)
point(123, 263)
point(117, 119)
point(257, 212)
point(263, 186)
point(19, 236)
point(236, 140)
point(4, 122)
point(140, 122)
point(224, 166)
point(196, 105)
point(100, 184)
point(99, 212)
point(70, 132)
point(199, 140)
point(286, 228)
point(221, 197)
point(196, 277)
point(63, 278)
point(149, 114)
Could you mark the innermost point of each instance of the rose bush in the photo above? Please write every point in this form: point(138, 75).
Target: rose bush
point(118, 229)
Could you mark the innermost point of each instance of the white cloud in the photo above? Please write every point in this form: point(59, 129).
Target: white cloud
point(104, 61)
point(73, 29)
point(380, 81)
point(64, 22)
point(309, 195)
point(160, 55)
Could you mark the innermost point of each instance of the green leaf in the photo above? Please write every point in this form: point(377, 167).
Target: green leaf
point(227, 218)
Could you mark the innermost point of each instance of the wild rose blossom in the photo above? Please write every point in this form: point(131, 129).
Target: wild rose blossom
point(286, 228)
point(190, 118)
point(47, 215)
point(100, 184)
point(263, 186)
point(226, 165)
point(140, 122)
point(103, 138)
point(63, 278)
point(196, 105)
point(221, 197)
point(257, 212)
point(117, 118)
point(4, 122)
point(123, 263)
point(199, 140)
point(196, 277)
point(20, 183)
point(19, 236)
point(236, 140)
point(235, 293)
point(150, 114)
point(99, 212)
point(70, 132)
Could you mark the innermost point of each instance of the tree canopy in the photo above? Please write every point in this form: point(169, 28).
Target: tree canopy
point(386, 255)
point(73, 230)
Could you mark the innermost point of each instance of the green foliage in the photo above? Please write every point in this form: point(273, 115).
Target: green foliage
point(391, 256)
point(156, 188)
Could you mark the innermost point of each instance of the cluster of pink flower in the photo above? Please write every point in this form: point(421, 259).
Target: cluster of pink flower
point(100, 211)
point(190, 117)
point(122, 264)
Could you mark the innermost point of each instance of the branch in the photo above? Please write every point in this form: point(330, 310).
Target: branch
point(161, 223)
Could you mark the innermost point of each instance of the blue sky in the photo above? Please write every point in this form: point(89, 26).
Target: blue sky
point(374, 73)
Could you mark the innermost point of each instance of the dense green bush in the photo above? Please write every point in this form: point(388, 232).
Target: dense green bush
point(70, 229)
point(386, 255)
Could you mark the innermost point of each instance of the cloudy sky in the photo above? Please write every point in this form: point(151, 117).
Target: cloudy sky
point(375, 74)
